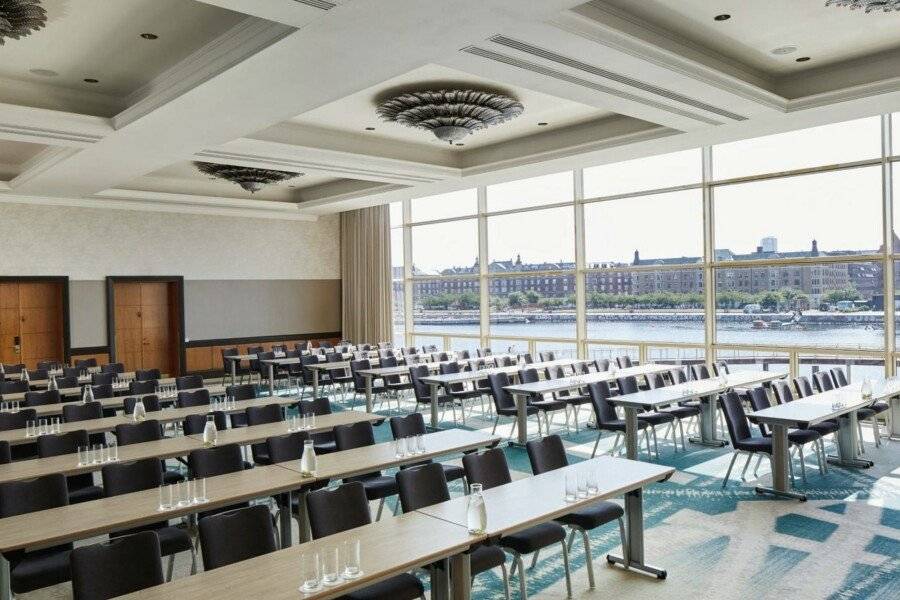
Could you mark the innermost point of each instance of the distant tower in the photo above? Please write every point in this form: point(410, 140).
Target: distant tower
point(518, 260)
point(769, 244)
point(637, 258)
point(815, 248)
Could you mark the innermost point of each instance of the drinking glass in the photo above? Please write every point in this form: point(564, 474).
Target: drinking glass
point(57, 425)
point(82, 456)
point(29, 429)
point(304, 421)
point(571, 487)
point(312, 420)
point(593, 482)
point(184, 495)
point(98, 453)
point(582, 485)
point(200, 491)
point(309, 569)
point(352, 564)
point(112, 452)
point(165, 497)
point(420, 444)
point(331, 567)
point(400, 447)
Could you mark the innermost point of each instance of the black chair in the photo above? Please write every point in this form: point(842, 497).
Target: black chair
point(195, 424)
point(147, 375)
point(784, 394)
point(338, 376)
point(14, 368)
point(220, 460)
point(5, 454)
point(140, 475)
point(289, 448)
point(573, 400)
point(489, 468)
point(347, 507)
point(549, 454)
point(822, 381)
point(628, 385)
point(260, 415)
point(236, 535)
point(116, 368)
point(377, 486)
point(426, 485)
point(683, 411)
point(146, 431)
point(47, 365)
point(81, 487)
point(839, 378)
point(602, 364)
point(544, 405)
point(103, 390)
point(803, 387)
point(245, 391)
point(359, 382)
point(86, 363)
point(414, 424)
point(10, 421)
point(305, 376)
point(13, 387)
point(700, 371)
point(721, 368)
point(35, 569)
point(324, 441)
point(742, 440)
point(254, 362)
point(151, 404)
point(422, 390)
point(42, 398)
point(188, 382)
point(459, 391)
point(394, 383)
point(264, 368)
point(608, 420)
point(239, 370)
point(505, 406)
point(92, 567)
point(65, 383)
point(102, 378)
point(74, 412)
point(547, 356)
point(75, 372)
point(198, 397)
point(138, 386)
point(624, 361)
point(797, 438)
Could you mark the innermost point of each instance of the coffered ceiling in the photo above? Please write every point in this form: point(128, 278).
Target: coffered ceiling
point(293, 85)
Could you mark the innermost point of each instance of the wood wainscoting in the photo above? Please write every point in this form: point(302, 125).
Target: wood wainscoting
point(205, 356)
point(34, 319)
point(100, 354)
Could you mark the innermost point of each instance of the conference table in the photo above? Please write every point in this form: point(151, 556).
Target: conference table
point(841, 404)
point(707, 390)
point(522, 391)
point(119, 388)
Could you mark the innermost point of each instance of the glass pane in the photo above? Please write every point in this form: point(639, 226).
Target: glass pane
point(536, 240)
point(755, 360)
point(643, 174)
point(560, 350)
point(470, 344)
point(662, 228)
point(397, 252)
point(445, 247)
point(676, 356)
point(429, 340)
point(658, 305)
point(827, 145)
point(856, 368)
point(611, 351)
point(536, 191)
point(446, 305)
point(396, 214)
point(833, 304)
point(533, 306)
point(398, 304)
point(444, 206)
point(837, 212)
point(895, 134)
point(512, 346)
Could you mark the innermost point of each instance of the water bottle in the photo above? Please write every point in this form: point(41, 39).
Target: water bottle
point(140, 411)
point(210, 432)
point(25, 377)
point(866, 388)
point(52, 385)
point(308, 462)
point(476, 511)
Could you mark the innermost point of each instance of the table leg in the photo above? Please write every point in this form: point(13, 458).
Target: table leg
point(461, 576)
point(440, 580)
point(708, 424)
point(633, 552)
point(285, 518)
point(895, 417)
point(521, 418)
point(271, 379)
point(5, 580)
point(631, 432)
point(848, 444)
point(315, 376)
point(435, 394)
point(233, 371)
point(780, 468)
point(369, 407)
point(305, 531)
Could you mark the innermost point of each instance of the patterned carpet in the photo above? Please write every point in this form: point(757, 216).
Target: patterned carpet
point(844, 543)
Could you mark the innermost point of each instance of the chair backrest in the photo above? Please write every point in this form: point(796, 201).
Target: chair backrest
point(102, 378)
point(464, 355)
point(147, 374)
point(14, 368)
point(759, 400)
point(42, 398)
point(604, 411)
point(151, 403)
point(804, 389)
point(700, 371)
point(721, 367)
point(489, 468)
point(47, 365)
point(783, 392)
point(142, 387)
point(422, 486)
point(655, 380)
point(359, 382)
point(288, 447)
point(235, 535)
point(302, 346)
point(137, 433)
point(547, 356)
point(602, 364)
point(340, 509)
point(587, 367)
point(13, 387)
point(627, 385)
point(61, 443)
point(16, 420)
point(209, 462)
point(822, 381)
point(260, 415)
point(129, 477)
point(546, 454)
point(624, 361)
point(72, 372)
point(529, 375)
point(5, 453)
point(317, 406)
point(226, 364)
point(91, 567)
point(279, 348)
point(195, 424)
point(246, 391)
point(115, 368)
point(449, 368)
point(354, 435)
point(421, 390)
point(86, 363)
point(411, 424)
point(840, 379)
point(188, 382)
point(104, 390)
point(38, 375)
point(195, 398)
point(67, 382)
point(678, 375)
point(31, 495)
point(254, 362)
point(502, 398)
point(735, 417)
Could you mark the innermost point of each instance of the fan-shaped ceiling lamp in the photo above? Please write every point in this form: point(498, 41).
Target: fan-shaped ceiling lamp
point(867, 5)
point(450, 115)
point(18, 18)
point(249, 178)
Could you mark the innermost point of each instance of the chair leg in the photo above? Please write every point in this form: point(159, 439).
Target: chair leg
point(170, 568)
point(568, 570)
point(655, 443)
point(746, 464)
point(647, 439)
point(802, 463)
point(862, 445)
point(534, 558)
point(756, 469)
point(876, 429)
point(193, 560)
point(597, 443)
point(523, 593)
point(728, 472)
point(681, 428)
point(505, 581)
point(380, 508)
point(624, 541)
point(494, 430)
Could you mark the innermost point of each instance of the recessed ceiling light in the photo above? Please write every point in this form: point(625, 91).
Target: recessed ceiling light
point(722, 17)
point(542, 124)
point(91, 80)
point(149, 36)
point(802, 59)
point(782, 50)
point(370, 129)
point(43, 72)
point(459, 144)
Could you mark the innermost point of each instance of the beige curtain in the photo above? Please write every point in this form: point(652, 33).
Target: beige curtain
point(365, 271)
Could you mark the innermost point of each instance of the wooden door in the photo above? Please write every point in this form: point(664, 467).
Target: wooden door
point(127, 302)
point(9, 322)
point(157, 337)
point(31, 312)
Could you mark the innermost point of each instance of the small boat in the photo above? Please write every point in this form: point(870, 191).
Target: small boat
point(759, 324)
point(777, 324)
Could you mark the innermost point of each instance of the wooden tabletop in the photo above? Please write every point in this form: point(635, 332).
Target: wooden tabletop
point(259, 433)
point(693, 389)
point(388, 547)
point(547, 386)
point(532, 500)
point(814, 409)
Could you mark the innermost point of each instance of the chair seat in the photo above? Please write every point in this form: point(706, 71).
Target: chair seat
point(880, 407)
point(173, 540)
point(239, 420)
point(512, 412)
point(485, 558)
point(534, 538)
point(754, 445)
point(826, 427)
point(399, 587)
point(575, 400)
point(85, 494)
point(41, 568)
point(400, 386)
point(682, 412)
point(546, 405)
point(453, 472)
point(325, 447)
point(865, 413)
point(172, 477)
point(466, 394)
point(594, 515)
point(656, 418)
point(619, 425)
point(377, 486)
point(803, 436)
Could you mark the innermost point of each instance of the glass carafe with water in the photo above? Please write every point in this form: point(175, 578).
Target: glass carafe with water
point(476, 511)
point(139, 412)
point(210, 432)
point(309, 461)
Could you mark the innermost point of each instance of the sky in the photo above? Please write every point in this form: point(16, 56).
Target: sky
point(841, 209)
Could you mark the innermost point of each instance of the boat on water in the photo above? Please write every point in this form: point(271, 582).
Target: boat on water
point(759, 324)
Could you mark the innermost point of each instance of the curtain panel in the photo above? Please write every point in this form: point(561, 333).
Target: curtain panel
point(365, 271)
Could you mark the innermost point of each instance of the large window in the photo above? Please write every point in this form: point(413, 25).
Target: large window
point(767, 252)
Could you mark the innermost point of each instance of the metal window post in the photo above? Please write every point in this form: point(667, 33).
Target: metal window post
point(709, 255)
point(484, 282)
point(580, 265)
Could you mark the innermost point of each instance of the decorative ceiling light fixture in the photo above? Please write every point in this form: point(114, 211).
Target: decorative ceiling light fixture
point(450, 115)
point(868, 5)
point(18, 18)
point(249, 178)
